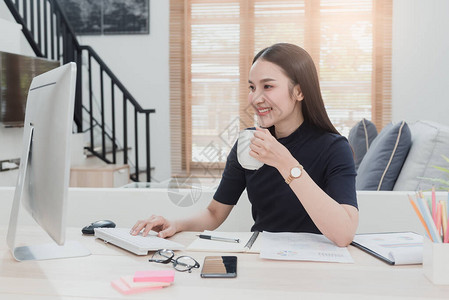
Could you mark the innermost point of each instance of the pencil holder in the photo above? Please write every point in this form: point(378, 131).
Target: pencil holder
point(436, 261)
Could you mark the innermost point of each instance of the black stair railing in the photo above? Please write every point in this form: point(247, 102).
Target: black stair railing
point(50, 35)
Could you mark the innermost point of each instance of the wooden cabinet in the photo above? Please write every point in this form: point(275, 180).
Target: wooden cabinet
point(99, 176)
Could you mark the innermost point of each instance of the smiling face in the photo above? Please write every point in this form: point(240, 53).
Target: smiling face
point(274, 98)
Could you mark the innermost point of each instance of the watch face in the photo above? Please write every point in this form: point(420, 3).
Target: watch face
point(296, 172)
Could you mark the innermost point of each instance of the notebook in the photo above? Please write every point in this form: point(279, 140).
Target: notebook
point(394, 248)
point(138, 244)
point(248, 242)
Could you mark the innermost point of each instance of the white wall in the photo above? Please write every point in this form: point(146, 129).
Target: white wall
point(420, 67)
point(420, 60)
point(9, 27)
point(11, 32)
point(141, 62)
point(10, 148)
point(11, 41)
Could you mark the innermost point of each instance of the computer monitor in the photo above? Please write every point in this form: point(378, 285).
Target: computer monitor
point(42, 184)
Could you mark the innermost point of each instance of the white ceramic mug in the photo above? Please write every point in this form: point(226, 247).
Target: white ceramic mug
point(247, 161)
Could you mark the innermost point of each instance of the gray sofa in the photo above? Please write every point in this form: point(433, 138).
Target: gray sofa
point(401, 157)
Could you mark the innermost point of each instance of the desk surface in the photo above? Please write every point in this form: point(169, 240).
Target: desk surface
point(90, 277)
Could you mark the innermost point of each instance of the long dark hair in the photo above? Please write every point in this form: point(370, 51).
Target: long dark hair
point(299, 67)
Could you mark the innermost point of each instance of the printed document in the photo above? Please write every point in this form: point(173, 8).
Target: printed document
point(302, 246)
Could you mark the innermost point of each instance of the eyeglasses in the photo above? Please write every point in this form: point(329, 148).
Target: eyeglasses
point(181, 264)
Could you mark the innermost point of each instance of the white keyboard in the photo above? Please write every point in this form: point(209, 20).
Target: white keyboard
point(138, 244)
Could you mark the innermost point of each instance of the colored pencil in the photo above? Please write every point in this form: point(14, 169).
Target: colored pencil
point(420, 216)
point(436, 238)
point(438, 218)
point(434, 206)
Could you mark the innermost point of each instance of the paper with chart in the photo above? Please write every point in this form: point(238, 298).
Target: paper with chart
point(302, 246)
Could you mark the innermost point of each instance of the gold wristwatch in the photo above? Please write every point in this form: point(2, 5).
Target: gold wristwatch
point(295, 173)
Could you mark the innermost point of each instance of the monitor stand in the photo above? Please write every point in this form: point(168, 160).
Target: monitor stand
point(36, 252)
point(50, 251)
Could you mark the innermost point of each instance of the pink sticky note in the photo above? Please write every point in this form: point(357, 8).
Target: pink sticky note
point(123, 288)
point(154, 275)
point(129, 281)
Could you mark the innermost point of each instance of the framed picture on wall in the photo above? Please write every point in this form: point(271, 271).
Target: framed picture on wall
point(108, 17)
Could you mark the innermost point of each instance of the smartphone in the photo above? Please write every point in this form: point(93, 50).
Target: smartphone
point(219, 267)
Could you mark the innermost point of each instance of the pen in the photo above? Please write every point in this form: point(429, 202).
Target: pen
point(217, 238)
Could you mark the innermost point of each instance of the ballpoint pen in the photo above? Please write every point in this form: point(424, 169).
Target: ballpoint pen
point(217, 238)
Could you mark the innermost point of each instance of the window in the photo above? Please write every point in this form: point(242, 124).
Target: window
point(212, 44)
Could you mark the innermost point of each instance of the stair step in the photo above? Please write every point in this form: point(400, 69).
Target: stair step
point(108, 150)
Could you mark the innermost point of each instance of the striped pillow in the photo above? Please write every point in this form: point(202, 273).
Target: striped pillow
point(382, 163)
point(360, 138)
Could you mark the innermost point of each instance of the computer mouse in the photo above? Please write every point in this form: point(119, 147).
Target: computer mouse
point(89, 229)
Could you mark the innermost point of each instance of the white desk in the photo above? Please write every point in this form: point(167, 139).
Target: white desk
point(90, 277)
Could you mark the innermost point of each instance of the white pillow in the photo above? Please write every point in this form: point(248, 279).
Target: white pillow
point(429, 141)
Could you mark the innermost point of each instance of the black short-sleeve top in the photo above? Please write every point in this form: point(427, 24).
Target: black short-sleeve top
point(326, 157)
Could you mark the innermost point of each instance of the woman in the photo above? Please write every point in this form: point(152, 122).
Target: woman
point(307, 182)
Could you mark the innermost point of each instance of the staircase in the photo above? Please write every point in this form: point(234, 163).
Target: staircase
point(103, 106)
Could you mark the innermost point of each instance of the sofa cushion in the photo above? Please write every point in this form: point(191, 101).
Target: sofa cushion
point(382, 163)
point(360, 138)
point(429, 141)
